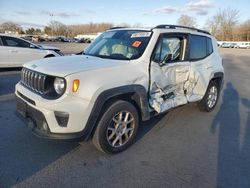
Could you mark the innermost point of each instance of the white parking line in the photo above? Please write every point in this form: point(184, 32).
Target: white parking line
point(6, 97)
point(6, 73)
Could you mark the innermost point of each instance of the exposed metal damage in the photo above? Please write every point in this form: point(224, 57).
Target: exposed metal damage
point(180, 80)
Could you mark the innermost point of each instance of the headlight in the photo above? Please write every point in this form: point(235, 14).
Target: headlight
point(59, 85)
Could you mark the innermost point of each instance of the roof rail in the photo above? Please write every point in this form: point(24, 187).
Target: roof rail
point(180, 26)
point(116, 28)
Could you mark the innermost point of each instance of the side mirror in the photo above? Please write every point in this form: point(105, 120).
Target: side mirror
point(166, 59)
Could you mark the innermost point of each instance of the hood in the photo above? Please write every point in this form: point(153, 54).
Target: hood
point(65, 65)
point(49, 47)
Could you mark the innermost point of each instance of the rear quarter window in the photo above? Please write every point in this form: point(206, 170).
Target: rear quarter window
point(209, 46)
point(198, 47)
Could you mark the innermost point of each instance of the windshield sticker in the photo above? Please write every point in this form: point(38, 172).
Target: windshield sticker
point(136, 44)
point(141, 34)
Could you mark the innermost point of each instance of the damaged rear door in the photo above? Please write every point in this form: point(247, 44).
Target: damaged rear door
point(169, 72)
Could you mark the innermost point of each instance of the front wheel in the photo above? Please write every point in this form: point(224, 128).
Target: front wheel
point(210, 98)
point(117, 127)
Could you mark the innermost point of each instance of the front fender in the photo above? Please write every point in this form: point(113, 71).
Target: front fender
point(138, 94)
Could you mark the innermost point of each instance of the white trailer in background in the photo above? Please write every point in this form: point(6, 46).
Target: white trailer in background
point(234, 44)
point(91, 36)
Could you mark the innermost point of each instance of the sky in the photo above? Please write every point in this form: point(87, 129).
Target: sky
point(146, 13)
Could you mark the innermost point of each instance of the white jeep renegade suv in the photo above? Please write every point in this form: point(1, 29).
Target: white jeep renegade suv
point(125, 76)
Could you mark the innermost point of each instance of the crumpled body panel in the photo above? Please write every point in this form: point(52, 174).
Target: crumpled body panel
point(174, 85)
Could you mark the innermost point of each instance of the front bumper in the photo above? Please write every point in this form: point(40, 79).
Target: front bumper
point(36, 121)
point(40, 114)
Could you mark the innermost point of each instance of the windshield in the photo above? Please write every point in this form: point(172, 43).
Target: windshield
point(119, 44)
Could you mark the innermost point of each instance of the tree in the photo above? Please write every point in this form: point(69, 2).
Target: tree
point(222, 24)
point(244, 31)
point(30, 31)
point(213, 25)
point(38, 31)
point(47, 30)
point(229, 19)
point(58, 28)
point(21, 32)
point(185, 20)
point(33, 31)
point(74, 30)
point(10, 26)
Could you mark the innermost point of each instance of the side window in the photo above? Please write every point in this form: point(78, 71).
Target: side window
point(15, 42)
point(209, 46)
point(198, 47)
point(165, 46)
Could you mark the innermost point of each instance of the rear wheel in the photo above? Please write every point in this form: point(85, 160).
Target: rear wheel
point(210, 98)
point(117, 127)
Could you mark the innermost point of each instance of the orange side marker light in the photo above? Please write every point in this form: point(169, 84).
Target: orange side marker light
point(75, 85)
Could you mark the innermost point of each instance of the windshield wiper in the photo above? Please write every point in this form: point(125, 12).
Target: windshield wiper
point(81, 53)
point(108, 57)
point(112, 57)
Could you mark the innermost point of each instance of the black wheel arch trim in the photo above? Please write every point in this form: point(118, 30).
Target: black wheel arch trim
point(138, 94)
point(220, 76)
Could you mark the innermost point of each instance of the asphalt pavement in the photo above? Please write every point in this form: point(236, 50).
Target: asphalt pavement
point(184, 148)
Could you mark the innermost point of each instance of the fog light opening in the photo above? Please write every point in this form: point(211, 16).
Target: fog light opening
point(62, 118)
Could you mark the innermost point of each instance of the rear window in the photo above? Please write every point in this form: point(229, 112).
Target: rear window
point(198, 47)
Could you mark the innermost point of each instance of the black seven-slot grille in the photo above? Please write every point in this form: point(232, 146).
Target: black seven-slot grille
point(33, 80)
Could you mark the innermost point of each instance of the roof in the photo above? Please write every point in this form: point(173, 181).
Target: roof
point(164, 26)
point(132, 28)
point(181, 27)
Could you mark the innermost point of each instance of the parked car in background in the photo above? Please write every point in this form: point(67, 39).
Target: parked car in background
point(14, 51)
point(79, 40)
point(228, 45)
point(233, 45)
point(237, 45)
point(224, 45)
point(61, 39)
point(244, 45)
point(83, 40)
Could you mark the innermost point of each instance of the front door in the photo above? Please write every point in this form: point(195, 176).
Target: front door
point(169, 71)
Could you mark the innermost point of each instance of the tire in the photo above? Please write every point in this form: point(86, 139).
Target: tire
point(113, 134)
point(210, 98)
